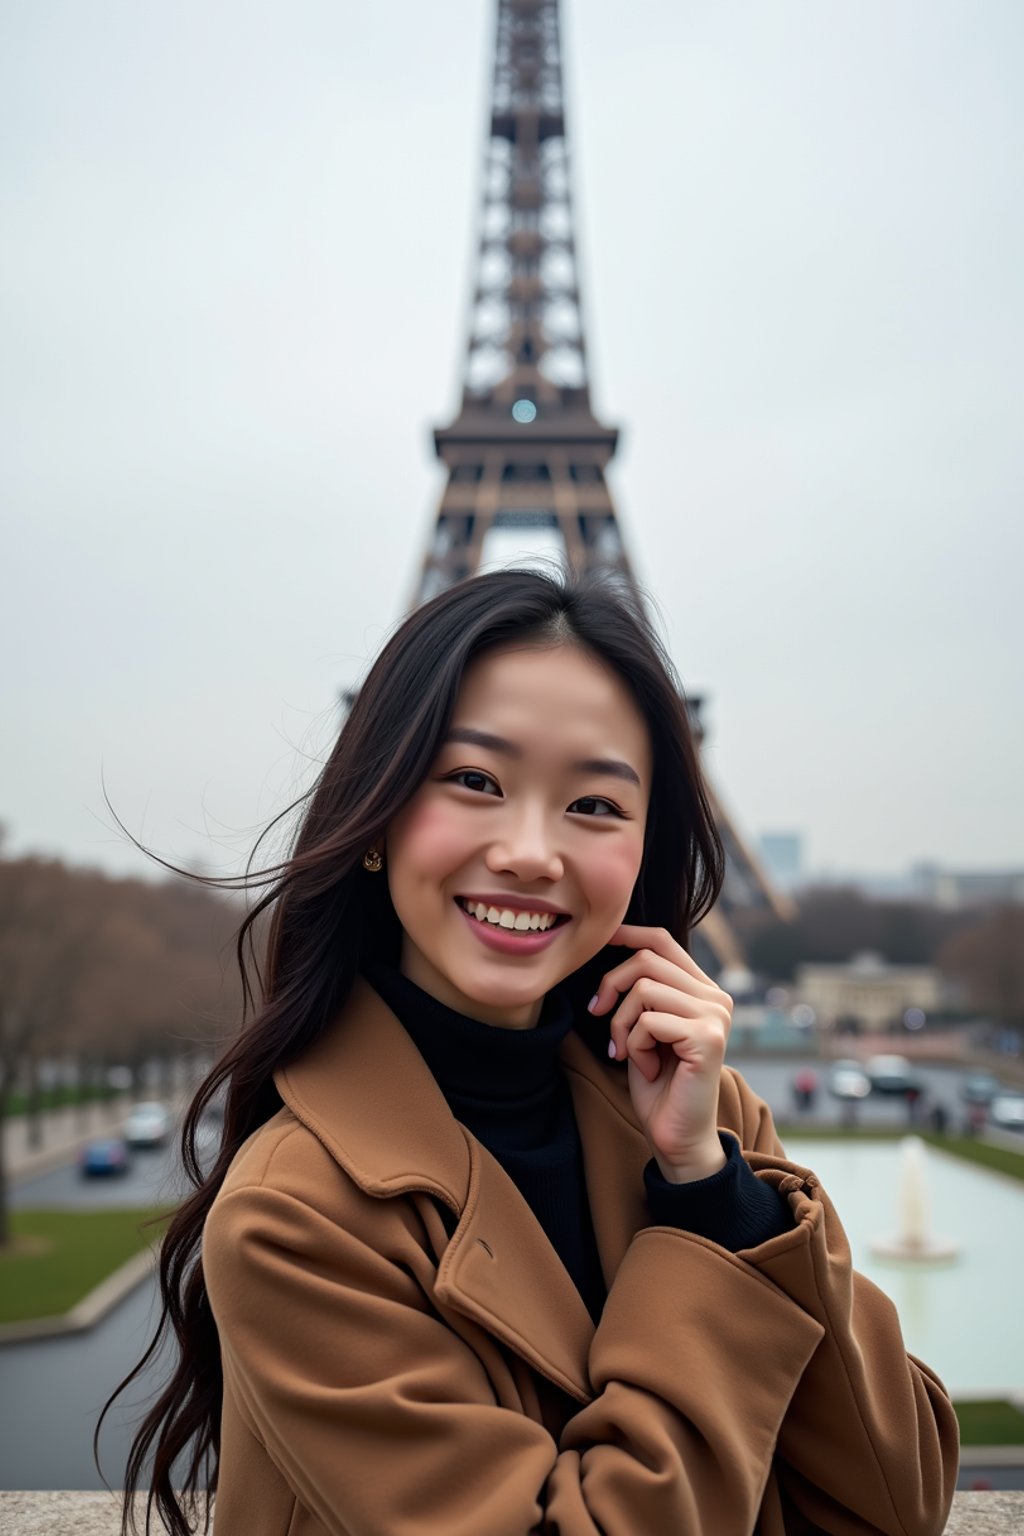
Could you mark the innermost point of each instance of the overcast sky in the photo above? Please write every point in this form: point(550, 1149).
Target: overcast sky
point(233, 278)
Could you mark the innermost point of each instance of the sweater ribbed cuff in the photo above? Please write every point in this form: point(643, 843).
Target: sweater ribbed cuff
point(732, 1207)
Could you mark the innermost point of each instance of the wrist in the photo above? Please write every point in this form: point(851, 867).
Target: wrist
point(702, 1164)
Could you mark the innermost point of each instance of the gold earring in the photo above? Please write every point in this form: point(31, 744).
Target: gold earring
point(373, 861)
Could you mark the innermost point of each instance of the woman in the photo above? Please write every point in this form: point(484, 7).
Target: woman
point(495, 1242)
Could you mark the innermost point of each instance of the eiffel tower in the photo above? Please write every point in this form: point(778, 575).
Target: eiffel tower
point(526, 450)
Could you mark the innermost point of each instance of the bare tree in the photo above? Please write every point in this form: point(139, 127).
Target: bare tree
point(110, 970)
point(832, 924)
point(44, 939)
point(988, 957)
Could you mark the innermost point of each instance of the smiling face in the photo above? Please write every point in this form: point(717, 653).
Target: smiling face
point(533, 809)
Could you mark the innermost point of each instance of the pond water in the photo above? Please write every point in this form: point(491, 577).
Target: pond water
point(962, 1318)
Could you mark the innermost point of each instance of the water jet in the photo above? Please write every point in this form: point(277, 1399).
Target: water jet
point(913, 1242)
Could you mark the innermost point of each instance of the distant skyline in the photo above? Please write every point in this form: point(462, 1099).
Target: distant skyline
point(233, 289)
point(783, 856)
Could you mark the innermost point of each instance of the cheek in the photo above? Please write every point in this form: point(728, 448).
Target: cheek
point(613, 871)
point(427, 837)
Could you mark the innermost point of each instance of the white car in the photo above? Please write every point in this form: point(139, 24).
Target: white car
point(891, 1074)
point(1007, 1110)
point(148, 1125)
point(848, 1080)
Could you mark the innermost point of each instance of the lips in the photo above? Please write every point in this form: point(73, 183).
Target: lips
point(511, 941)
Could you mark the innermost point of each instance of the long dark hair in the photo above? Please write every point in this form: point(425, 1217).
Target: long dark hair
point(325, 917)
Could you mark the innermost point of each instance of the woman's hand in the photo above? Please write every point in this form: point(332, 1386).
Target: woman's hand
point(672, 1027)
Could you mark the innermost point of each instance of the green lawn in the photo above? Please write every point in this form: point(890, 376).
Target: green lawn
point(992, 1423)
point(60, 1256)
point(1002, 1159)
point(57, 1098)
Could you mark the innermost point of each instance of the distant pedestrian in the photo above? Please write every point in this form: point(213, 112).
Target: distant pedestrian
point(975, 1121)
point(805, 1086)
point(939, 1118)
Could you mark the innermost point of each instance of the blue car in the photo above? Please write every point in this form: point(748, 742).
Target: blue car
point(106, 1157)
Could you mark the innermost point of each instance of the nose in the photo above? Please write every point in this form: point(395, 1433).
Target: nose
point(526, 848)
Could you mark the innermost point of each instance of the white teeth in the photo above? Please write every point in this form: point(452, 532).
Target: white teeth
point(520, 922)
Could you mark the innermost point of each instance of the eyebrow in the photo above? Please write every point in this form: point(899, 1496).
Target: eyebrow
point(614, 767)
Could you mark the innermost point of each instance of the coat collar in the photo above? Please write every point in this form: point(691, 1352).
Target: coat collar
point(366, 1093)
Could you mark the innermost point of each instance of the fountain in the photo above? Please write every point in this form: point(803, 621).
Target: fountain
point(913, 1241)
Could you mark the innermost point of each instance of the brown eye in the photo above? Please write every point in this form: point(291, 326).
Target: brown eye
point(472, 778)
point(592, 801)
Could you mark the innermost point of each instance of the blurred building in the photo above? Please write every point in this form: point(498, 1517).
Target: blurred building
point(966, 888)
point(924, 882)
point(867, 990)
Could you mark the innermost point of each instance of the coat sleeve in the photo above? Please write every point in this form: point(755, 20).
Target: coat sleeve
point(869, 1442)
point(383, 1420)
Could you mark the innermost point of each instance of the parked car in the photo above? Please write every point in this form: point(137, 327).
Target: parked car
point(892, 1074)
point(148, 1125)
point(1007, 1111)
point(980, 1088)
point(848, 1080)
point(105, 1157)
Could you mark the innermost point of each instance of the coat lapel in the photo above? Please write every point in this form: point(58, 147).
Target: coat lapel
point(501, 1270)
point(615, 1151)
point(366, 1093)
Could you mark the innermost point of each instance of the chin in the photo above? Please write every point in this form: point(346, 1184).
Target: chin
point(503, 992)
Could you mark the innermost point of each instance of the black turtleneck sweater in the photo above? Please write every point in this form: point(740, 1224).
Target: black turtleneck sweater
point(507, 1087)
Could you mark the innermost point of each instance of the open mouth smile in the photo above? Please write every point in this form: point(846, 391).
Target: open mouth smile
point(511, 931)
point(509, 918)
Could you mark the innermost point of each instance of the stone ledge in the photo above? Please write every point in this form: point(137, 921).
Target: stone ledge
point(98, 1514)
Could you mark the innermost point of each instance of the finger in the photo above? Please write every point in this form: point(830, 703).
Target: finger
point(653, 996)
point(651, 1036)
point(643, 1052)
point(659, 943)
point(647, 963)
point(698, 1041)
point(639, 935)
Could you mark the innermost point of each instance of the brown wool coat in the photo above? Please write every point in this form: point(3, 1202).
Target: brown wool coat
point(405, 1355)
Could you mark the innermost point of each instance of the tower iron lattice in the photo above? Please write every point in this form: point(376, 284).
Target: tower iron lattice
point(525, 450)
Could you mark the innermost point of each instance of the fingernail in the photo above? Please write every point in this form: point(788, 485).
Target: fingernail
point(611, 1049)
point(592, 1004)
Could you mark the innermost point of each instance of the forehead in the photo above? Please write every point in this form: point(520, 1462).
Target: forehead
point(553, 695)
